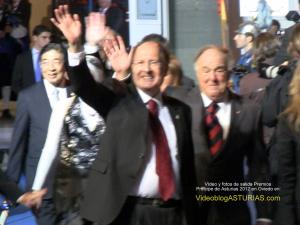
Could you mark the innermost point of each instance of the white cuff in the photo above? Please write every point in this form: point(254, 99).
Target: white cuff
point(75, 58)
point(264, 220)
point(123, 79)
point(90, 49)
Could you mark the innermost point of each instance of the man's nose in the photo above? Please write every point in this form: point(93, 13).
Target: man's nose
point(147, 66)
point(213, 75)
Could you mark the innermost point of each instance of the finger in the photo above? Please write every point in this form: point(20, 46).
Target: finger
point(131, 53)
point(102, 19)
point(65, 9)
point(76, 17)
point(108, 47)
point(115, 44)
point(121, 43)
point(58, 14)
point(54, 21)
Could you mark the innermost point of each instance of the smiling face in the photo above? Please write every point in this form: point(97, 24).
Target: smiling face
point(52, 67)
point(148, 69)
point(212, 75)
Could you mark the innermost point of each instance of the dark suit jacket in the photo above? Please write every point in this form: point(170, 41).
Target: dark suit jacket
point(288, 145)
point(8, 188)
point(115, 18)
point(23, 73)
point(282, 54)
point(125, 145)
point(30, 131)
point(244, 140)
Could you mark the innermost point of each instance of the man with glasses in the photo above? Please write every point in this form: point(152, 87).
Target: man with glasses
point(144, 173)
point(33, 112)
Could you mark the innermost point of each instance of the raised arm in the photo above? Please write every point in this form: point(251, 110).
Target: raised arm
point(94, 94)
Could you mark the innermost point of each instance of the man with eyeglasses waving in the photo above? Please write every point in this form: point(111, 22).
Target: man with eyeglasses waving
point(144, 173)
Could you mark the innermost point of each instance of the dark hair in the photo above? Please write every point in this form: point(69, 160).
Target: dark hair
point(156, 38)
point(164, 54)
point(37, 30)
point(275, 23)
point(265, 46)
point(57, 47)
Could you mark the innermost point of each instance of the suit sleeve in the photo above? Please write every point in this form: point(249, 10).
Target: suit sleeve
point(116, 19)
point(17, 75)
point(18, 148)
point(94, 94)
point(259, 166)
point(9, 189)
point(287, 173)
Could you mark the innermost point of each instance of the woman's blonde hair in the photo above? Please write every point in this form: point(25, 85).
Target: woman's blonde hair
point(292, 112)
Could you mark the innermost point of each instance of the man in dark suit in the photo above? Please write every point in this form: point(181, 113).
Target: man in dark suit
point(220, 152)
point(27, 70)
point(33, 112)
point(125, 184)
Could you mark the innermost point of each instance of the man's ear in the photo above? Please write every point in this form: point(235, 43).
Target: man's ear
point(34, 38)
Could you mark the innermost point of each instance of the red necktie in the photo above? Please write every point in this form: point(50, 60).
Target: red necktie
point(164, 168)
point(214, 129)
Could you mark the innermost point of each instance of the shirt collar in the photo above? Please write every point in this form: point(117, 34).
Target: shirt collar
point(207, 101)
point(146, 98)
point(35, 51)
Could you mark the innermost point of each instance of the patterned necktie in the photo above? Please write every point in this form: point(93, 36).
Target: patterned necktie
point(164, 168)
point(214, 129)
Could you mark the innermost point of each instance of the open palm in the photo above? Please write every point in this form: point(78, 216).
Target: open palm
point(95, 28)
point(68, 24)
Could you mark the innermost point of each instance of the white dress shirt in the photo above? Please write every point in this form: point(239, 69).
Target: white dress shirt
point(223, 114)
point(149, 181)
point(54, 93)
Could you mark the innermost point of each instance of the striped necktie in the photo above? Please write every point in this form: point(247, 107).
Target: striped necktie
point(214, 129)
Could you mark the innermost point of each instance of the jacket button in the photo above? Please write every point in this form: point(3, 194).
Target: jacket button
point(141, 155)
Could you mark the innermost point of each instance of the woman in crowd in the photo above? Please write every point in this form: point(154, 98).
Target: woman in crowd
point(252, 85)
point(174, 75)
point(288, 145)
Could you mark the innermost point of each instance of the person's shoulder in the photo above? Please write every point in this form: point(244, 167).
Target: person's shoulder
point(175, 102)
point(32, 89)
point(181, 92)
point(24, 54)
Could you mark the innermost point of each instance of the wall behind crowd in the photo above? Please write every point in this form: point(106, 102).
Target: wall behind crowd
point(193, 24)
point(40, 10)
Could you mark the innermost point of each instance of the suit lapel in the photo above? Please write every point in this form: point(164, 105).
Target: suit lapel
point(235, 120)
point(30, 66)
point(45, 102)
point(198, 126)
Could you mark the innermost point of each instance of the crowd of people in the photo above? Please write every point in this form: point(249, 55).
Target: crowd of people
point(104, 135)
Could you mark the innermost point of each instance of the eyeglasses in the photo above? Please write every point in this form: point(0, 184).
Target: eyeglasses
point(148, 63)
point(55, 62)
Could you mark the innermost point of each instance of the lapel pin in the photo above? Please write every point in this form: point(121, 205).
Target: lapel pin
point(177, 117)
point(238, 112)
